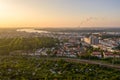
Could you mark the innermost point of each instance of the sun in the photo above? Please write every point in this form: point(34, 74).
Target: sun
point(3, 8)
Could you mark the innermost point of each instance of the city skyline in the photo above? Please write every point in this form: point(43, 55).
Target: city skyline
point(59, 13)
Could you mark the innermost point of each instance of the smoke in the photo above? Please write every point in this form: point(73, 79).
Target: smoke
point(87, 20)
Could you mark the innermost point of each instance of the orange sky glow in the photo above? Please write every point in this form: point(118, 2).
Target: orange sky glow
point(39, 13)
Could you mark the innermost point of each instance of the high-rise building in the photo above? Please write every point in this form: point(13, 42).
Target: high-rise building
point(93, 40)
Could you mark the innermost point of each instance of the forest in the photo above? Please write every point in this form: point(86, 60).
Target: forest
point(8, 45)
point(37, 68)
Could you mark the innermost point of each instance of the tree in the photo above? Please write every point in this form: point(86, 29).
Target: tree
point(48, 52)
point(102, 54)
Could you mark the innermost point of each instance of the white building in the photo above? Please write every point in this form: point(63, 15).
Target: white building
point(93, 40)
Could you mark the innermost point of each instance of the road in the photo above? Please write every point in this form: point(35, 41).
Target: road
point(85, 61)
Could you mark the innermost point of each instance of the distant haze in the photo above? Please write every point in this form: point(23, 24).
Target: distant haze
point(59, 13)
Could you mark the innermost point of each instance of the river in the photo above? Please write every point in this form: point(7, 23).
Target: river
point(32, 31)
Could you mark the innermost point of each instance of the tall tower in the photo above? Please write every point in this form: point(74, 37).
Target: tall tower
point(93, 40)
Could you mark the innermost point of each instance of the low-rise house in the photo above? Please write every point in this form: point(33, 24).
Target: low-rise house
point(37, 54)
point(44, 53)
point(111, 55)
point(97, 54)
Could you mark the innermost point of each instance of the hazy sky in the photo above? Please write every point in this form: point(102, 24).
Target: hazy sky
point(59, 13)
